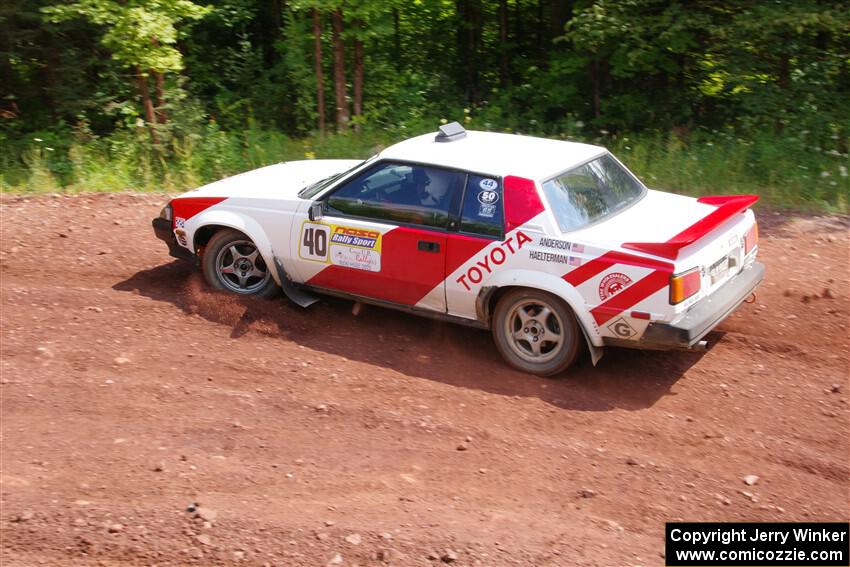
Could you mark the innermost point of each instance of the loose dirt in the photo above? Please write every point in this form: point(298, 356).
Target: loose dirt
point(147, 420)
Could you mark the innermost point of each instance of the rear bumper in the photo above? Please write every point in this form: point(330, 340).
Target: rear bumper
point(162, 230)
point(703, 317)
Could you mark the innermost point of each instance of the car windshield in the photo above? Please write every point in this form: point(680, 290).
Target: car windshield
point(317, 187)
point(590, 192)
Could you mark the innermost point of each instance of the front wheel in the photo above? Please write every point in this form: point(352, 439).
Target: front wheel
point(535, 332)
point(232, 262)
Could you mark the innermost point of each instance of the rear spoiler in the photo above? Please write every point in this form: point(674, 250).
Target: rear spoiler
point(727, 207)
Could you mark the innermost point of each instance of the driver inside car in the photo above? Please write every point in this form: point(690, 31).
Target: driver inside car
point(424, 188)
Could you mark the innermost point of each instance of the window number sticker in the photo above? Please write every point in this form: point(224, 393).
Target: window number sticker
point(487, 211)
point(314, 242)
point(487, 198)
point(488, 184)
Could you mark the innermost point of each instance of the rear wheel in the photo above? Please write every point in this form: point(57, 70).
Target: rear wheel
point(535, 332)
point(232, 262)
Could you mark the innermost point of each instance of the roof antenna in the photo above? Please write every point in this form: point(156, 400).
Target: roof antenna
point(450, 132)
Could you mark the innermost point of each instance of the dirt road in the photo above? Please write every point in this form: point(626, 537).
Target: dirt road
point(130, 392)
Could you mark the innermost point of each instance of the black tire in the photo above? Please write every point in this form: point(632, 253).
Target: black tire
point(530, 339)
point(232, 262)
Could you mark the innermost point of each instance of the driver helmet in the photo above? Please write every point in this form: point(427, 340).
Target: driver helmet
point(437, 188)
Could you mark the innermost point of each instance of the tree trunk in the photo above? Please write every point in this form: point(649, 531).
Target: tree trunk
point(594, 76)
point(51, 77)
point(339, 71)
point(160, 90)
point(358, 75)
point(784, 79)
point(473, 36)
point(518, 29)
point(461, 7)
point(541, 32)
point(396, 38)
point(560, 14)
point(504, 76)
point(159, 82)
point(784, 71)
point(269, 24)
point(320, 78)
point(150, 115)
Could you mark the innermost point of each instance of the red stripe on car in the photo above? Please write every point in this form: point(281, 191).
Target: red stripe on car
point(522, 202)
point(460, 248)
point(406, 277)
point(407, 274)
point(187, 207)
point(601, 263)
point(630, 296)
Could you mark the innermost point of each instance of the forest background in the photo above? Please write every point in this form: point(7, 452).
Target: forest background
point(699, 96)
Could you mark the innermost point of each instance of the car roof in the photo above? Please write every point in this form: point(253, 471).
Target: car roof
point(495, 154)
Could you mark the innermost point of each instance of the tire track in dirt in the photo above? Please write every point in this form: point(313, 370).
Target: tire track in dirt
point(129, 390)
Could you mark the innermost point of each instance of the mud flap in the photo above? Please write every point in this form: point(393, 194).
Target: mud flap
point(297, 296)
point(595, 351)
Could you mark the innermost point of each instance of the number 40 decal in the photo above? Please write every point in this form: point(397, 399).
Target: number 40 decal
point(314, 242)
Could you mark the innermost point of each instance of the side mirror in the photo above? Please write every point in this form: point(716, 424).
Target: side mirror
point(316, 211)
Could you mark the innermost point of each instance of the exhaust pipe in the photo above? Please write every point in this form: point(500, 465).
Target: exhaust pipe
point(701, 346)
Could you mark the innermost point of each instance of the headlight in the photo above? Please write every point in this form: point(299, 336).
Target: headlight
point(165, 213)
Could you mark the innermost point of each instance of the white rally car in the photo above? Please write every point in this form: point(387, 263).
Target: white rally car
point(547, 243)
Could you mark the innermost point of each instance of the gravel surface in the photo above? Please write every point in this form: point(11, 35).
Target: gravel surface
point(147, 420)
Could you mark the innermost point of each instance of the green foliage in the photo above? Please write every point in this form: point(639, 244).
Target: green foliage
point(786, 172)
point(751, 65)
point(757, 92)
point(139, 33)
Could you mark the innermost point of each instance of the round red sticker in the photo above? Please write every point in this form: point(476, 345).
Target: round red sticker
point(613, 284)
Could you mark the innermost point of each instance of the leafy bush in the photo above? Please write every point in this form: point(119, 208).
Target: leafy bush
point(786, 171)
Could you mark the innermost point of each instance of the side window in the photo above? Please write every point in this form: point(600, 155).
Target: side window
point(399, 193)
point(482, 206)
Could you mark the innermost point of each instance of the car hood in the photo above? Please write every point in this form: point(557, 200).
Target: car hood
point(281, 181)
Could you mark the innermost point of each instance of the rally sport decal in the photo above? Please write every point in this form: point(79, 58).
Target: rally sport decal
point(339, 245)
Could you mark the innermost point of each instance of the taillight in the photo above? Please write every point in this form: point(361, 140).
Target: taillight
point(751, 239)
point(683, 286)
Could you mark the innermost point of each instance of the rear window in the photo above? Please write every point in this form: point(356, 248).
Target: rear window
point(591, 192)
point(482, 206)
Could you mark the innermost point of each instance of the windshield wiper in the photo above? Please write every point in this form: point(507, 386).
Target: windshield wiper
point(318, 183)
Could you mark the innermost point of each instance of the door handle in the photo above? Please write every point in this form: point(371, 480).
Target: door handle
point(428, 246)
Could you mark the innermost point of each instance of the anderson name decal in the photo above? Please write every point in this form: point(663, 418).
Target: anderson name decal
point(553, 243)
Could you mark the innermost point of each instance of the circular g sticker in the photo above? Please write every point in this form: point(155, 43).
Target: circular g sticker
point(487, 197)
point(488, 184)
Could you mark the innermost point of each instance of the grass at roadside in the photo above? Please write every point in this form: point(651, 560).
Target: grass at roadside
point(786, 172)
